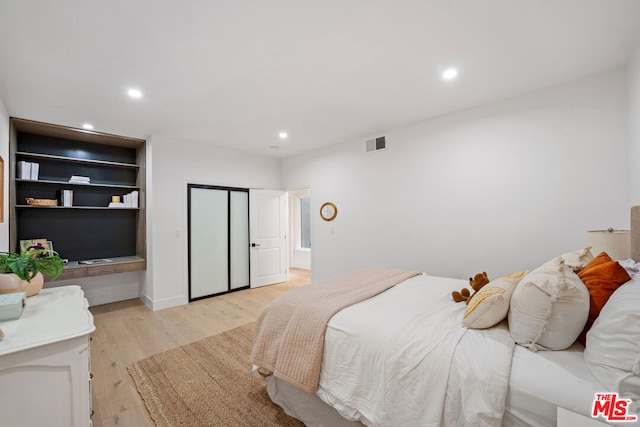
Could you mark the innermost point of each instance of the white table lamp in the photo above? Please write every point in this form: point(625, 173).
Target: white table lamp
point(616, 243)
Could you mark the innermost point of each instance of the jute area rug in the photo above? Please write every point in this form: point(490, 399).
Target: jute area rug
point(207, 383)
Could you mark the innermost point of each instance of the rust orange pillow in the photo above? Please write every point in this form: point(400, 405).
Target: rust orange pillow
point(602, 257)
point(601, 278)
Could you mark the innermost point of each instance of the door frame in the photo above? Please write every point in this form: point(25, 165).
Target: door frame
point(223, 188)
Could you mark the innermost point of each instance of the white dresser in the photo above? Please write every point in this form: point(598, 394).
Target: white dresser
point(45, 364)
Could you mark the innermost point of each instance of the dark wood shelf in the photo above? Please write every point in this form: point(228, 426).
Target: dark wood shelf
point(75, 160)
point(73, 207)
point(92, 184)
point(73, 270)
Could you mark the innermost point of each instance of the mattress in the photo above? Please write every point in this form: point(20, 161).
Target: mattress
point(543, 381)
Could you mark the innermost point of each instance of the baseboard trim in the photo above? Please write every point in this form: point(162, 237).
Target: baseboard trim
point(155, 305)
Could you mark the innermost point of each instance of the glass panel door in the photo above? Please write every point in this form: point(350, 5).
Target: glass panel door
point(239, 239)
point(208, 235)
point(218, 240)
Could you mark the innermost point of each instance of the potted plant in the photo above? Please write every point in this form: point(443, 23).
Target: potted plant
point(22, 271)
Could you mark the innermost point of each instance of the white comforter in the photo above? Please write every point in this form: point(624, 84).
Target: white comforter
point(402, 358)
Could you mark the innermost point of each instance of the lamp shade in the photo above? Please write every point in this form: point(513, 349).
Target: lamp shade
point(616, 243)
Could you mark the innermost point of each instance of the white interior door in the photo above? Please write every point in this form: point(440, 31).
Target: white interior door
point(267, 228)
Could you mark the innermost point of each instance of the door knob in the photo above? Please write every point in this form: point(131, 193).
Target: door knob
point(253, 245)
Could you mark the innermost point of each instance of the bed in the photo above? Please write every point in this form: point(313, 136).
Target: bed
point(399, 355)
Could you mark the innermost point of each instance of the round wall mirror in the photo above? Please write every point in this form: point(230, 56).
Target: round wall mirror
point(328, 211)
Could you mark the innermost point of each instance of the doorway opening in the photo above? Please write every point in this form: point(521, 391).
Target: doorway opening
point(300, 229)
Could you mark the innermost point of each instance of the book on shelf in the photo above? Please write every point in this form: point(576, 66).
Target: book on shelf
point(80, 179)
point(35, 170)
point(66, 197)
point(28, 170)
point(131, 199)
point(24, 170)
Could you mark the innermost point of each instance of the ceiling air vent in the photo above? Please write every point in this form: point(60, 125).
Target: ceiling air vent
point(376, 144)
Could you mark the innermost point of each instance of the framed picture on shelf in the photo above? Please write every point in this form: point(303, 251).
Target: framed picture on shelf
point(37, 244)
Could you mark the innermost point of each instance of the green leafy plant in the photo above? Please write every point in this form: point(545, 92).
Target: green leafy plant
point(27, 264)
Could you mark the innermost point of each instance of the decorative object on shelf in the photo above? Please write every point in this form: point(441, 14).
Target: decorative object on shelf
point(115, 199)
point(23, 272)
point(95, 261)
point(77, 179)
point(41, 202)
point(32, 245)
point(328, 211)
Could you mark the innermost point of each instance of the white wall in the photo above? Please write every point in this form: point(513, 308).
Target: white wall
point(634, 127)
point(498, 188)
point(4, 152)
point(171, 166)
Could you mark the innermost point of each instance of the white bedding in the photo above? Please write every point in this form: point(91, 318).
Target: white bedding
point(379, 357)
point(370, 346)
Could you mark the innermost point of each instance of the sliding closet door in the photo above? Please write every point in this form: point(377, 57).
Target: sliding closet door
point(239, 239)
point(218, 240)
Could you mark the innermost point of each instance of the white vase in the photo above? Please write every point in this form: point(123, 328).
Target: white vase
point(10, 283)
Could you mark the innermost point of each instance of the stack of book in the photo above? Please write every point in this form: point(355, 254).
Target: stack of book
point(130, 200)
point(77, 179)
point(28, 170)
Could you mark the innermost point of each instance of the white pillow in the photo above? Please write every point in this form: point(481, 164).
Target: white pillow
point(612, 352)
point(489, 306)
point(576, 260)
point(549, 308)
point(630, 265)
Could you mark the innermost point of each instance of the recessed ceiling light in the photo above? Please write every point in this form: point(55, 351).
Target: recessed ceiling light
point(134, 93)
point(88, 126)
point(449, 74)
point(283, 135)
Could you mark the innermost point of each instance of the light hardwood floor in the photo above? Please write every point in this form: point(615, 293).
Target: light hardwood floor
point(128, 331)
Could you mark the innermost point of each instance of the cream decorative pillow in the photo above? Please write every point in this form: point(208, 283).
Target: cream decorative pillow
point(612, 353)
point(490, 305)
point(549, 308)
point(576, 260)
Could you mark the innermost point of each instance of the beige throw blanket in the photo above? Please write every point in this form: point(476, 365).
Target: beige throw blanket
point(289, 334)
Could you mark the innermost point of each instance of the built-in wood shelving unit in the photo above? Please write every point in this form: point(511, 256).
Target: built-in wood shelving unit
point(89, 229)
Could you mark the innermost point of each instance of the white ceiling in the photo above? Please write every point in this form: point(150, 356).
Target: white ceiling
point(236, 73)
